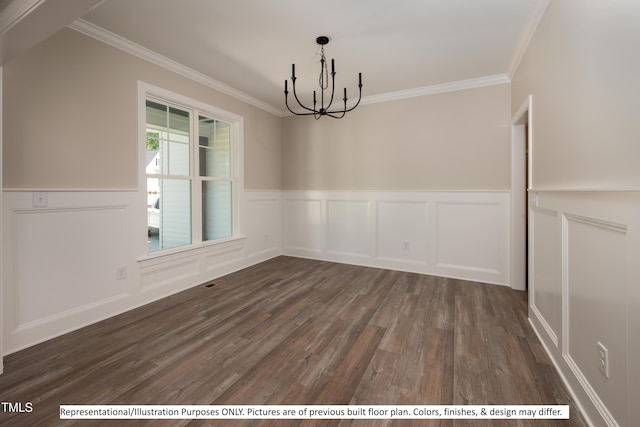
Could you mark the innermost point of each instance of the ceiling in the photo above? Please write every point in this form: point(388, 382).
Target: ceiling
point(399, 46)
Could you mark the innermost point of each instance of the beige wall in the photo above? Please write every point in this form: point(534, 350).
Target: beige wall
point(451, 141)
point(582, 68)
point(70, 118)
point(72, 125)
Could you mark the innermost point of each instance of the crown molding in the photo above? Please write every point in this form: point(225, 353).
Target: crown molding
point(435, 89)
point(525, 37)
point(135, 49)
point(15, 12)
point(497, 79)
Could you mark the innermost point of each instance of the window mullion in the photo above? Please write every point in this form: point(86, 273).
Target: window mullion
point(196, 185)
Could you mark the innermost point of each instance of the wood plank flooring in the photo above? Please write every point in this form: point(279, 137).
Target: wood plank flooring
point(297, 331)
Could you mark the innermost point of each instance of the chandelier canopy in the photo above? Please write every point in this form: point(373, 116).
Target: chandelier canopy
point(321, 110)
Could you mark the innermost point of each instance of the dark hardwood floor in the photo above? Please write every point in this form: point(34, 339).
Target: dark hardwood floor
point(296, 331)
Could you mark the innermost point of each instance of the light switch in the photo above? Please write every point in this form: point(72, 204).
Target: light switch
point(40, 199)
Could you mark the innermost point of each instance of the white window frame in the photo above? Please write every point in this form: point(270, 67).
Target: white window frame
point(147, 91)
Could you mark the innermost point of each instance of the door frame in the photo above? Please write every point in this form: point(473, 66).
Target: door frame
point(1, 235)
point(521, 182)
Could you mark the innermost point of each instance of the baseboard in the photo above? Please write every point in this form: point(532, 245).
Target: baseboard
point(579, 397)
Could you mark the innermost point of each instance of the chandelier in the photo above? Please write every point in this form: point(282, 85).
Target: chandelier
point(321, 110)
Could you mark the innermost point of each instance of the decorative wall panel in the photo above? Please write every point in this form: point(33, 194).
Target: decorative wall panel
point(583, 287)
point(454, 234)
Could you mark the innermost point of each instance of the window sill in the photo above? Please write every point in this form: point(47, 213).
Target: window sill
point(221, 245)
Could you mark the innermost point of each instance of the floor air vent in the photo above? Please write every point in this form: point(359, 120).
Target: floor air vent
point(214, 283)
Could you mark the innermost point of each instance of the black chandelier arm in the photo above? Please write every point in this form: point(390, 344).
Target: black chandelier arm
point(323, 112)
point(332, 114)
point(311, 113)
point(286, 102)
point(317, 113)
point(359, 94)
point(295, 95)
point(357, 103)
point(345, 110)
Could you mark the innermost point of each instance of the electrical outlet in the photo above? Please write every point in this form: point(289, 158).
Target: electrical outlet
point(603, 359)
point(121, 273)
point(406, 246)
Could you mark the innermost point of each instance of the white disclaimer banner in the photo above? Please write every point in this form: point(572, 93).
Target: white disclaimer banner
point(124, 412)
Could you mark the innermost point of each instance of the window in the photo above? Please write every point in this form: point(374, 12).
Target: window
point(191, 172)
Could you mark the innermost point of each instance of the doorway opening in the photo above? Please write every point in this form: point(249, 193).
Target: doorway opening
point(521, 179)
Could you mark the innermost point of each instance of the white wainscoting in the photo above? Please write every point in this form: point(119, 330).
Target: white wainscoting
point(453, 234)
point(584, 275)
point(262, 222)
point(62, 259)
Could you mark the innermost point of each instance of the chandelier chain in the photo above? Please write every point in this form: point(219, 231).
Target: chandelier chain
point(324, 71)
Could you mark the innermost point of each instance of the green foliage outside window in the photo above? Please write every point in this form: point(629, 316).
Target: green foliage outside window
point(153, 141)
